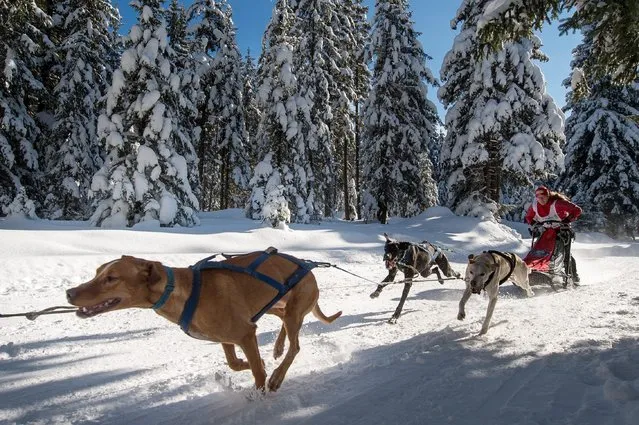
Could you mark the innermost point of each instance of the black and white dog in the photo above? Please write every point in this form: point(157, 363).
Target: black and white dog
point(412, 259)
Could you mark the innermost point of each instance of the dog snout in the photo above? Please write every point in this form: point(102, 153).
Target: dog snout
point(71, 293)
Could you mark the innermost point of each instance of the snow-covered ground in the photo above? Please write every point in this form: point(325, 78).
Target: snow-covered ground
point(565, 357)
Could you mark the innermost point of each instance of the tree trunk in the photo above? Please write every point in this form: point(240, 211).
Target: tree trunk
point(493, 171)
point(347, 210)
point(357, 165)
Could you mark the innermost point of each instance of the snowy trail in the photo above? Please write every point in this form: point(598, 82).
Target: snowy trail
point(565, 357)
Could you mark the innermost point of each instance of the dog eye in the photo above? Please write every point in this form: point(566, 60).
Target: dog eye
point(111, 279)
point(482, 274)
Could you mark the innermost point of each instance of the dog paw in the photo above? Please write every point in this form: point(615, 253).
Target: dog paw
point(441, 282)
point(461, 315)
point(275, 381)
point(392, 320)
point(483, 331)
point(375, 294)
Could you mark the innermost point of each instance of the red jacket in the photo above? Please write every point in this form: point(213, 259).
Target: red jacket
point(564, 209)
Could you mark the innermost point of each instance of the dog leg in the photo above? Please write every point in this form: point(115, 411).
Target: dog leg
point(252, 353)
point(444, 265)
point(526, 287)
point(439, 275)
point(232, 360)
point(278, 348)
point(400, 306)
point(388, 280)
point(489, 315)
point(292, 323)
point(462, 304)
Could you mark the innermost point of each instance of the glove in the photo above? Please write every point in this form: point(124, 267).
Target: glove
point(566, 220)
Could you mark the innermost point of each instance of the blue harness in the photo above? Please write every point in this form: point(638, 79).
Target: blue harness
point(303, 267)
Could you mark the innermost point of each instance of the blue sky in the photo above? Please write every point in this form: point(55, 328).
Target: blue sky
point(432, 18)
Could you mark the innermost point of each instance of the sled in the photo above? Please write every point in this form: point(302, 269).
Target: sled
point(550, 258)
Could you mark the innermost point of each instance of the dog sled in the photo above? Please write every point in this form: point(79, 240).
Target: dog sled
point(550, 258)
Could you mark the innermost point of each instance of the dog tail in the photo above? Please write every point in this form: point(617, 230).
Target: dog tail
point(317, 312)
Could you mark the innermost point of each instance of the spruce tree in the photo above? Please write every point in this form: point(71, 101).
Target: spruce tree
point(223, 163)
point(614, 26)
point(23, 46)
point(145, 175)
point(318, 66)
point(73, 153)
point(399, 119)
point(252, 112)
point(351, 29)
point(602, 150)
point(227, 114)
point(280, 139)
point(504, 133)
point(185, 65)
point(361, 81)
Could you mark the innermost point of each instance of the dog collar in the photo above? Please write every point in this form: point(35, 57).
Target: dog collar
point(170, 285)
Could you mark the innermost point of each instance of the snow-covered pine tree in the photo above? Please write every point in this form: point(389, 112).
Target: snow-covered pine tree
point(227, 114)
point(252, 112)
point(185, 66)
point(280, 140)
point(23, 43)
point(176, 24)
point(434, 152)
point(398, 118)
point(145, 176)
point(351, 29)
point(504, 133)
point(74, 154)
point(361, 80)
point(613, 24)
point(221, 143)
point(318, 66)
point(268, 195)
point(602, 150)
point(204, 20)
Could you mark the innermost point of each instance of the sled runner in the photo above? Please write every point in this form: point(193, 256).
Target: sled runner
point(550, 256)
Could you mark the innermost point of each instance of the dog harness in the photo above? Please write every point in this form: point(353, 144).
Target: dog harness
point(424, 246)
point(303, 267)
point(510, 258)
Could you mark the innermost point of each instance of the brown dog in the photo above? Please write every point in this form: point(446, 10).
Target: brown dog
point(228, 301)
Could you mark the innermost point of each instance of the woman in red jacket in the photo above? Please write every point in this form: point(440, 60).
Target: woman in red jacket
point(553, 206)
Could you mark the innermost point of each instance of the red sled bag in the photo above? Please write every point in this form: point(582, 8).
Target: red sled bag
point(547, 253)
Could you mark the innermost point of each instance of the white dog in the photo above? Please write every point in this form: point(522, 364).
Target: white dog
point(486, 272)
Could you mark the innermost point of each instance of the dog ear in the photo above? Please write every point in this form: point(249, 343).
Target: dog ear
point(387, 238)
point(471, 258)
point(150, 272)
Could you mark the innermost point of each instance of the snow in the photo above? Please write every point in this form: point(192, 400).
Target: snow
point(168, 208)
point(128, 61)
point(9, 66)
point(564, 357)
point(576, 78)
point(149, 100)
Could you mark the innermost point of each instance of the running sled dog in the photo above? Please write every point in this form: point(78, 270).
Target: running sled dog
point(486, 272)
point(232, 295)
point(412, 259)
